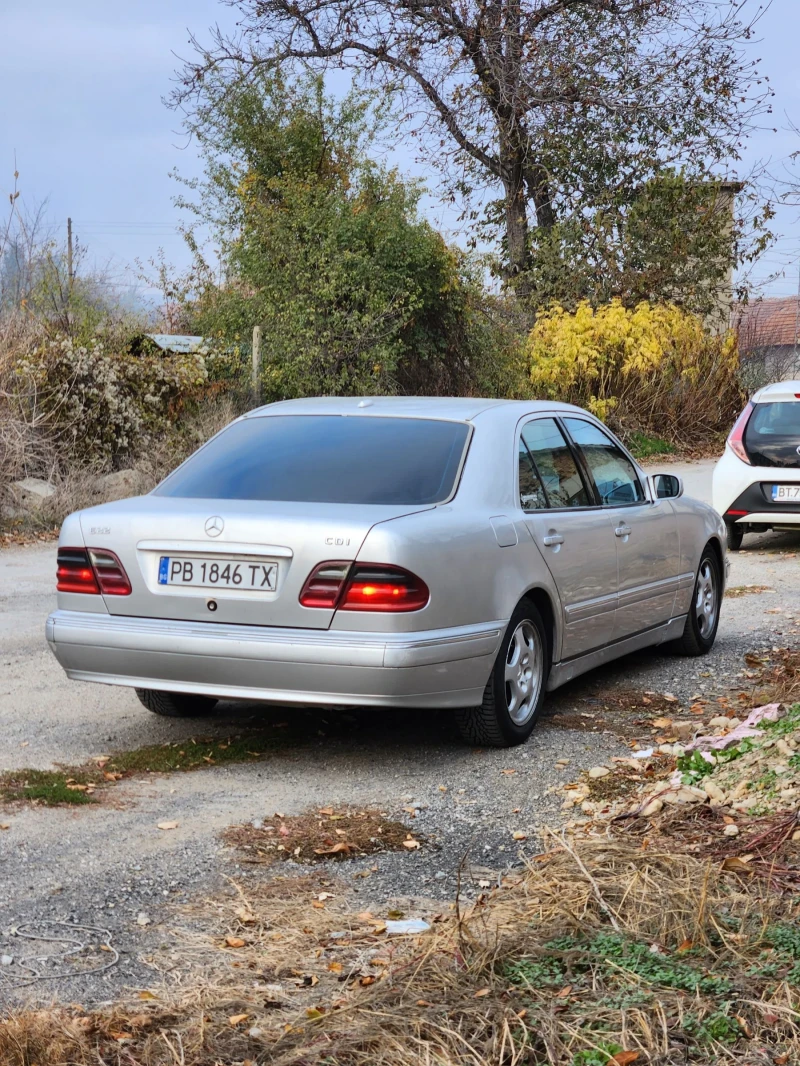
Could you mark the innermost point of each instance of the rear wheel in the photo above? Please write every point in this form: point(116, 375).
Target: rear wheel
point(515, 690)
point(700, 630)
point(735, 535)
point(176, 704)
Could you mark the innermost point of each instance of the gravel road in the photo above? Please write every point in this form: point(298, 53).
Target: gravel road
point(106, 864)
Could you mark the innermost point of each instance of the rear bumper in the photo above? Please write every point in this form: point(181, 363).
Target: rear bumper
point(435, 668)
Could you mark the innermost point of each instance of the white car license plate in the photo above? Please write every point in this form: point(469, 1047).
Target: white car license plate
point(786, 492)
point(217, 573)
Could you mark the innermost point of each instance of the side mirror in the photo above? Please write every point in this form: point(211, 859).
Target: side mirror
point(666, 486)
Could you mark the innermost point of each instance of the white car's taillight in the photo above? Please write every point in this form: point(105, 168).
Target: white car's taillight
point(736, 439)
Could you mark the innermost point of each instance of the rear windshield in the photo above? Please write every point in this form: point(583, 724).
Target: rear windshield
point(774, 420)
point(326, 459)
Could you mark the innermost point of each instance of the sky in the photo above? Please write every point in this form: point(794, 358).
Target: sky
point(82, 84)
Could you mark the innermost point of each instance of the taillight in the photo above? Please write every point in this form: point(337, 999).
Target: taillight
point(736, 439)
point(75, 573)
point(91, 571)
point(384, 588)
point(324, 585)
point(364, 587)
point(110, 573)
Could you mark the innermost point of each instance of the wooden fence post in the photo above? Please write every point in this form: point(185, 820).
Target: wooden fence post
point(256, 370)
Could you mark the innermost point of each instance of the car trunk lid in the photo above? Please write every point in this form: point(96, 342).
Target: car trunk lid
point(275, 546)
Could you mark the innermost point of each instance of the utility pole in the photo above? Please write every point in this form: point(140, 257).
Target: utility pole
point(256, 369)
point(70, 263)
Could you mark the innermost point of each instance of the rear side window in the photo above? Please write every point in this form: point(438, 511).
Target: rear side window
point(613, 473)
point(326, 459)
point(553, 462)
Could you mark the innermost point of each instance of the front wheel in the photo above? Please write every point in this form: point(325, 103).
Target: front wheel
point(700, 630)
point(176, 704)
point(515, 690)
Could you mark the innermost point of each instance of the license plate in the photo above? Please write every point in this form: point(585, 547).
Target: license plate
point(217, 573)
point(786, 492)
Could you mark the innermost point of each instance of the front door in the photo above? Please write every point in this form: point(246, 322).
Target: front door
point(573, 534)
point(646, 532)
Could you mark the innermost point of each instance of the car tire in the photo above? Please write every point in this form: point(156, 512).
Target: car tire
point(176, 704)
point(515, 691)
point(735, 536)
point(702, 622)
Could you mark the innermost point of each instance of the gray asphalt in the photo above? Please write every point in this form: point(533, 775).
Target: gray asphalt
point(106, 864)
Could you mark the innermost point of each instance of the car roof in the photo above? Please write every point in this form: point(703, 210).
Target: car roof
point(449, 407)
point(780, 392)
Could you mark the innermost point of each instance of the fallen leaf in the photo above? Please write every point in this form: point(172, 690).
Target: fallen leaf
point(5, 825)
point(237, 1019)
point(235, 942)
point(443, 788)
point(245, 916)
point(661, 723)
point(481, 992)
point(737, 865)
point(624, 1058)
point(147, 995)
point(283, 831)
point(366, 980)
point(412, 845)
point(411, 811)
point(168, 825)
point(342, 848)
point(325, 895)
point(687, 945)
point(101, 762)
point(326, 810)
point(424, 1003)
point(120, 1036)
point(379, 927)
point(564, 992)
point(364, 916)
point(317, 905)
point(508, 771)
point(335, 967)
point(519, 835)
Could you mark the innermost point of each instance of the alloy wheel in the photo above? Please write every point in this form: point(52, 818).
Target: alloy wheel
point(523, 672)
point(706, 599)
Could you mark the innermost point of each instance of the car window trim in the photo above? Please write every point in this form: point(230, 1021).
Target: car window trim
point(533, 463)
point(589, 489)
point(642, 486)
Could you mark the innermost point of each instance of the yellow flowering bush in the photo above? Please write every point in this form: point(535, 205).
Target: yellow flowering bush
point(653, 369)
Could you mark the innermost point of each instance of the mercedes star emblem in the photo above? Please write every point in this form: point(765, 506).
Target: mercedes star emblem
point(214, 526)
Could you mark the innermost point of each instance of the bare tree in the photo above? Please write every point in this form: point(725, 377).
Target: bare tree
point(558, 105)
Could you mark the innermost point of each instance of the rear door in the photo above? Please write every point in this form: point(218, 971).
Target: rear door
point(573, 534)
point(645, 532)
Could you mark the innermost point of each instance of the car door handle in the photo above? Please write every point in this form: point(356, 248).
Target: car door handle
point(552, 539)
point(622, 531)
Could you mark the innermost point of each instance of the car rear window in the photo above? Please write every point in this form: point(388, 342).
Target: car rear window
point(357, 459)
point(775, 420)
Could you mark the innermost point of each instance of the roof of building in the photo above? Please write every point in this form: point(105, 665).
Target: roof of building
point(181, 343)
point(770, 323)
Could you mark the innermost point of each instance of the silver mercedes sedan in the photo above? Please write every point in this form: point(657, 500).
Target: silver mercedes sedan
point(389, 552)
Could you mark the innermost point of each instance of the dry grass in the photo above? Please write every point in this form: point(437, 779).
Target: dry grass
point(778, 679)
point(597, 947)
point(319, 836)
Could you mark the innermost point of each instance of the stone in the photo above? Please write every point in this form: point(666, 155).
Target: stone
point(713, 791)
point(6, 960)
point(31, 493)
point(118, 485)
point(731, 831)
point(684, 730)
point(796, 834)
point(689, 795)
point(653, 807)
point(598, 771)
point(720, 722)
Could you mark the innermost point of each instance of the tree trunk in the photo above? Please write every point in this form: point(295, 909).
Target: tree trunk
point(516, 221)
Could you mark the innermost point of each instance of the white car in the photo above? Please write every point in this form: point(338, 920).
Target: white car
point(756, 483)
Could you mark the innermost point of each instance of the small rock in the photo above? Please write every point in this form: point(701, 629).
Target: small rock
point(440, 875)
point(598, 771)
point(653, 807)
point(689, 795)
point(255, 1033)
point(118, 485)
point(684, 730)
point(6, 960)
point(731, 831)
point(734, 722)
point(796, 834)
point(720, 722)
point(714, 792)
point(142, 918)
